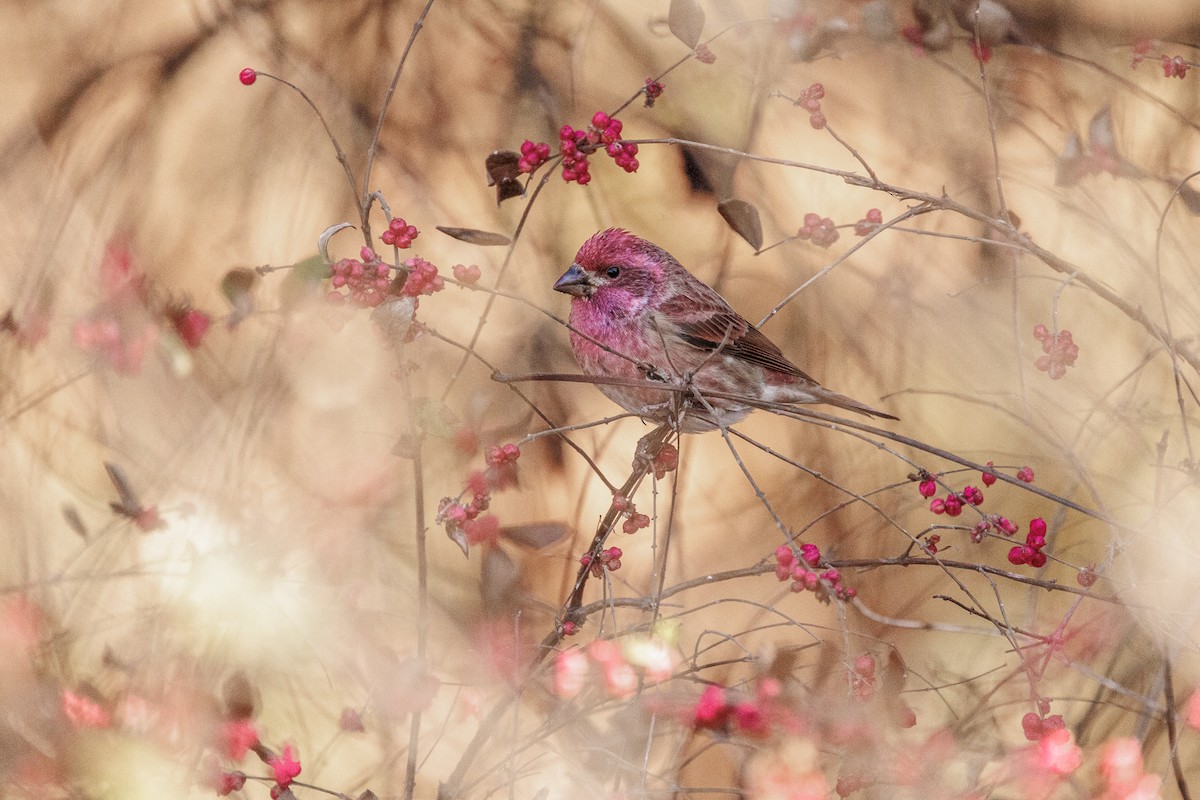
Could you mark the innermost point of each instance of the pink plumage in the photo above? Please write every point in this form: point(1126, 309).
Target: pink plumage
point(657, 321)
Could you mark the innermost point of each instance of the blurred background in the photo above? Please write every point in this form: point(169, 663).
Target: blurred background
point(281, 587)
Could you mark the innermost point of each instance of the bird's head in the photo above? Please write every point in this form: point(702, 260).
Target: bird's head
point(618, 270)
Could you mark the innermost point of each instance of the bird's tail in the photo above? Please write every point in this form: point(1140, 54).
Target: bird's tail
point(850, 404)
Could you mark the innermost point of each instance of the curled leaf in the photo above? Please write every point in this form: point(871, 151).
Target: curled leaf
point(237, 286)
point(326, 235)
point(1190, 198)
point(459, 537)
point(743, 218)
point(394, 316)
point(686, 21)
point(474, 236)
point(503, 170)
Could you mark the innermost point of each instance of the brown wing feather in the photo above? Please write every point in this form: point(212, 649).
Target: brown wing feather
point(708, 322)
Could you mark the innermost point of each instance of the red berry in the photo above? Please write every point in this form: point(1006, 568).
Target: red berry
point(247, 76)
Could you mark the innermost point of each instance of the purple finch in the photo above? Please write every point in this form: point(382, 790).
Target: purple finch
point(637, 316)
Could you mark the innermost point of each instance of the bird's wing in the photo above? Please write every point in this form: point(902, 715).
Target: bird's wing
point(709, 323)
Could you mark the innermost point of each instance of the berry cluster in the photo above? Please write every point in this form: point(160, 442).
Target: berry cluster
point(422, 279)
point(1031, 552)
point(577, 145)
point(366, 281)
point(1037, 726)
point(463, 522)
point(399, 233)
point(804, 576)
point(989, 521)
point(821, 231)
point(609, 559)
point(1174, 67)
point(533, 155)
point(952, 504)
point(499, 455)
point(810, 101)
point(653, 90)
point(666, 461)
point(634, 521)
point(870, 222)
point(1059, 351)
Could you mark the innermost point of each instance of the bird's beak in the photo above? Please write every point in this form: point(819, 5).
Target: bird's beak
point(575, 282)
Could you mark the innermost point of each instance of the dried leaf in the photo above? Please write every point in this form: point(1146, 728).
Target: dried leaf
point(502, 165)
point(326, 235)
point(129, 504)
point(743, 218)
point(686, 21)
point(536, 535)
point(435, 418)
point(237, 286)
point(368, 795)
point(394, 317)
point(475, 236)
point(239, 697)
point(459, 537)
point(74, 521)
point(1190, 198)
point(499, 580)
point(781, 663)
point(503, 172)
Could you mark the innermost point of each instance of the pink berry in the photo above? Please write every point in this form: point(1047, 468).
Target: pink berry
point(927, 488)
point(247, 76)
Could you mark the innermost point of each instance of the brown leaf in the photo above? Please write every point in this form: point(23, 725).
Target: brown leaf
point(129, 504)
point(503, 171)
point(474, 236)
point(499, 580)
point(1190, 198)
point(237, 286)
point(743, 218)
point(502, 165)
point(239, 697)
point(536, 534)
point(394, 317)
point(686, 20)
point(459, 537)
point(74, 521)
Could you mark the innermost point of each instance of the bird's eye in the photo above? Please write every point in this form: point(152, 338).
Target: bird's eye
point(612, 272)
